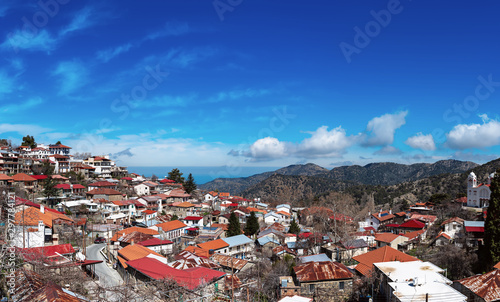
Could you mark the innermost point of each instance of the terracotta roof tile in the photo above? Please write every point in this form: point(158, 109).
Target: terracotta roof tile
point(383, 254)
point(213, 244)
point(127, 231)
point(136, 251)
point(171, 225)
point(323, 270)
point(486, 286)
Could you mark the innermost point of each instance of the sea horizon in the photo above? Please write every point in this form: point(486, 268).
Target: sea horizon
point(201, 174)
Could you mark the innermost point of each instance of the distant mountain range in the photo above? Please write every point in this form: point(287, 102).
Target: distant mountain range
point(240, 184)
point(337, 178)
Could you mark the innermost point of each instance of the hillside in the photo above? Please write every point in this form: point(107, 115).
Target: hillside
point(371, 174)
point(304, 188)
point(238, 185)
point(392, 173)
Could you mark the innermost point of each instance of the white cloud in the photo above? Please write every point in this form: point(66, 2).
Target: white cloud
point(23, 40)
point(421, 141)
point(72, 76)
point(150, 149)
point(22, 129)
point(170, 29)
point(484, 135)
point(19, 106)
point(321, 144)
point(237, 94)
point(33, 38)
point(324, 143)
point(381, 129)
point(108, 54)
point(6, 83)
point(267, 148)
point(83, 19)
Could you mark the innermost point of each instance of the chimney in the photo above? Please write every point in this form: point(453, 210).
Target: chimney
point(42, 209)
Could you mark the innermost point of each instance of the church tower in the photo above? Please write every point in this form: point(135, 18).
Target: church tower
point(471, 181)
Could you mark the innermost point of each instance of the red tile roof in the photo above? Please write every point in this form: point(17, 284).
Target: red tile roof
point(386, 237)
point(413, 224)
point(191, 278)
point(102, 184)
point(5, 177)
point(23, 177)
point(47, 251)
point(126, 231)
point(474, 229)
point(414, 234)
point(383, 254)
point(486, 286)
point(154, 242)
point(213, 245)
point(103, 191)
point(171, 225)
point(59, 146)
point(68, 186)
point(39, 177)
point(383, 216)
point(193, 218)
point(453, 219)
point(323, 270)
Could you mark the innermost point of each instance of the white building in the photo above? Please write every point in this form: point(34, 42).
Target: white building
point(102, 165)
point(239, 246)
point(416, 281)
point(478, 196)
point(272, 217)
point(142, 189)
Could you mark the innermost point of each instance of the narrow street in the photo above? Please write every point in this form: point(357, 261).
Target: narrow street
point(108, 277)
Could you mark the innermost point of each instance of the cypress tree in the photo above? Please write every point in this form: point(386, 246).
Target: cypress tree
point(294, 227)
point(252, 225)
point(190, 185)
point(492, 225)
point(234, 227)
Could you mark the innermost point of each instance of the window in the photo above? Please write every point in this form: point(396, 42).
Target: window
point(341, 285)
point(311, 288)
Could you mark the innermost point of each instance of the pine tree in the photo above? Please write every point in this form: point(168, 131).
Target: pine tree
point(252, 225)
point(294, 227)
point(176, 176)
point(492, 225)
point(174, 217)
point(234, 227)
point(190, 185)
point(29, 141)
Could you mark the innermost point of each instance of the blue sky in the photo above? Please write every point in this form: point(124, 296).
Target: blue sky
point(254, 83)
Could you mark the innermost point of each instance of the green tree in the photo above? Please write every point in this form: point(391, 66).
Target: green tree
point(49, 189)
point(176, 176)
point(174, 217)
point(294, 227)
point(58, 143)
point(234, 227)
point(439, 198)
point(491, 249)
point(252, 226)
point(29, 141)
point(190, 185)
